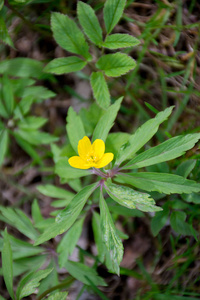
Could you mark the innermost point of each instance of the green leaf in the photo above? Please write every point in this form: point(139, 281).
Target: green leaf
point(19, 220)
point(186, 167)
point(39, 92)
point(159, 221)
point(100, 89)
point(4, 35)
point(177, 221)
point(1, 4)
point(81, 272)
point(65, 171)
point(36, 212)
point(106, 121)
point(58, 296)
point(98, 236)
point(31, 122)
point(30, 282)
point(21, 67)
point(142, 135)
point(68, 35)
point(69, 241)
point(66, 218)
point(130, 198)
point(168, 150)
point(113, 10)
point(112, 241)
point(115, 65)
point(7, 93)
point(89, 22)
point(35, 137)
point(65, 65)
point(160, 182)
point(3, 144)
point(54, 191)
point(120, 40)
point(23, 107)
point(75, 128)
point(115, 140)
point(7, 264)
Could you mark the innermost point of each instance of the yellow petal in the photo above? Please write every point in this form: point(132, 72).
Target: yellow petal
point(105, 160)
point(99, 148)
point(84, 146)
point(78, 163)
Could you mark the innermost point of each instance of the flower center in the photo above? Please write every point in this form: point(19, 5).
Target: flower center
point(91, 157)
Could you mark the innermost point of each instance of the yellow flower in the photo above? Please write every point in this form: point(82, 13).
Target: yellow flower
point(91, 155)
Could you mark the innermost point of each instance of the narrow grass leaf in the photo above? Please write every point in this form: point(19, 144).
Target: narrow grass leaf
point(89, 22)
point(142, 135)
point(100, 89)
point(106, 121)
point(120, 40)
point(160, 182)
point(7, 264)
point(115, 65)
point(168, 150)
point(112, 241)
point(68, 35)
point(65, 65)
point(66, 218)
point(113, 10)
point(75, 128)
point(3, 144)
point(130, 198)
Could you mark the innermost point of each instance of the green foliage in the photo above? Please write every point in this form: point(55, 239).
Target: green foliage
point(4, 35)
point(100, 89)
point(113, 10)
point(120, 40)
point(65, 65)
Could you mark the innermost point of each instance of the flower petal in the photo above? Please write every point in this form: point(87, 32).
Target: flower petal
point(105, 160)
point(99, 148)
point(84, 147)
point(78, 163)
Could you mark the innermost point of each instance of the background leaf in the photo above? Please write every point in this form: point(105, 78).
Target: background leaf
point(89, 22)
point(4, 35)
point(3, 144)
point(115, 65)
point(64, 170)
point(120, 40)
point(68, 35)
point(65, 65)
point(177, 221)
point(113, 10)
point(100, 89)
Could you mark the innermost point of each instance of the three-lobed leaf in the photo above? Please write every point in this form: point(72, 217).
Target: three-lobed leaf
point(113, 10)
point(142, 135)
point(65, 65)
point(131, 198)
point(68, 35)
point(115, 65)
point(120, 40)
point(168, 150)
point(160, 182)
point(89, 22)
point(100, 89)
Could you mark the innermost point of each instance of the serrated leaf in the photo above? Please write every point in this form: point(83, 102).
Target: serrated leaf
point(75, 128)
point(65, 171)
point(131, 198)
point(30, 282)
point(113, 10)
point(115, 65)
point(177, 221)
point(89, 22)
point(66, 218)
point(120, 40)
point(106, 121)
point(68, 35)
point(160, 182)
point(7, 264)
point(3, 144)
point(100, 89)
point(4, 35)
point(142, 135)
point(22, 67)
point(68, 242)
point(168, 150)
point(159, 221)
point(81, 272)
point(65, 65)
point(112, 242)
